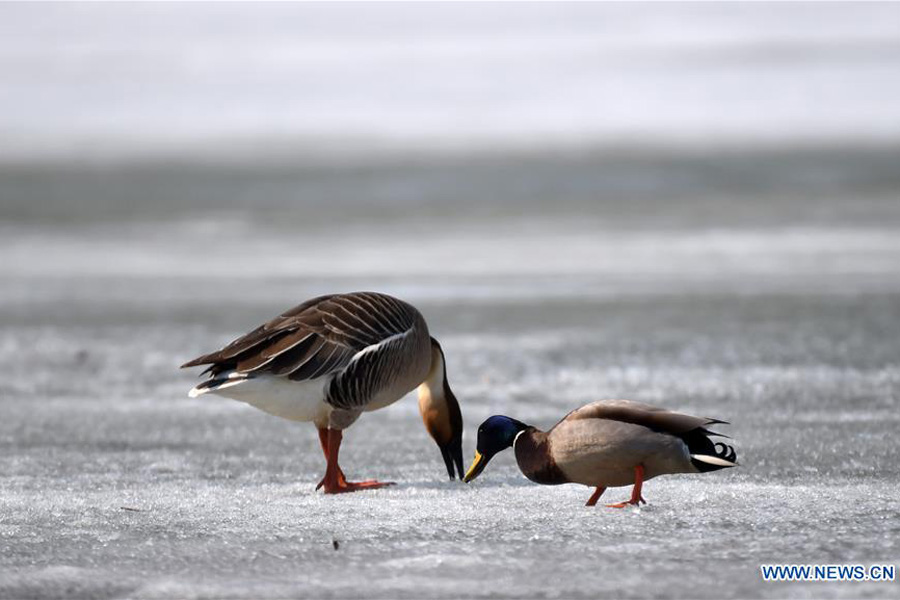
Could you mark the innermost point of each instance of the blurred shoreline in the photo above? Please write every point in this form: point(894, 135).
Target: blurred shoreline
point(590, 179)
point(259, 153)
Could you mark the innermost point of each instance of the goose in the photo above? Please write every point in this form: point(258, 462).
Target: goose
point(609, 443)
point(330, 359)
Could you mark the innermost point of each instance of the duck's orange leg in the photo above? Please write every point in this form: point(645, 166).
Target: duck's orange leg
point(334, 482)
point(592, 501)
point(636, 497)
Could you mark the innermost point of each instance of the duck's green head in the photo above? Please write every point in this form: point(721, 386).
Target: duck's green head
point(496, 434)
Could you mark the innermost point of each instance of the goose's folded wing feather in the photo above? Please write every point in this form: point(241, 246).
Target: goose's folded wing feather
point(266, 334)
point(313, 339)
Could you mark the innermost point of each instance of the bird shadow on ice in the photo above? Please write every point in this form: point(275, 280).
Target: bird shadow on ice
point(412, 487)
point(456, 485)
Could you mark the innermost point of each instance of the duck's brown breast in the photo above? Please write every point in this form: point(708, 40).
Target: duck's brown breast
point(532, 448)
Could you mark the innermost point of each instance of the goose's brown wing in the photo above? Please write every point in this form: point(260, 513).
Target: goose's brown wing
point(313, 339)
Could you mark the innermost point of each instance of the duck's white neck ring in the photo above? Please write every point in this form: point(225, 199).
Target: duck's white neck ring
point(516, 439)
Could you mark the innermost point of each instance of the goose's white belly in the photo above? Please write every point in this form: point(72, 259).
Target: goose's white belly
point(293, 400)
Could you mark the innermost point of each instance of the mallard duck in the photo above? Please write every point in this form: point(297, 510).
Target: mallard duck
point(332, 358)
point(610, 443)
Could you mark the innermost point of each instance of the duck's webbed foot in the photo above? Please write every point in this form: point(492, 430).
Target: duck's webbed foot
point(638, 502)
point(636, 497)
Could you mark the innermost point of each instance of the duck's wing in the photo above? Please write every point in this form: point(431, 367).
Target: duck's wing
point(651, 417)
point(313, 339)
point(706, 454)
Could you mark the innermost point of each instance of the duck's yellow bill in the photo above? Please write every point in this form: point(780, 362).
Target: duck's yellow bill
point(476, 468)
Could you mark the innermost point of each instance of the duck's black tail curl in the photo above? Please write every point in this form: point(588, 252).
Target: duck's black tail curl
point(707, 455)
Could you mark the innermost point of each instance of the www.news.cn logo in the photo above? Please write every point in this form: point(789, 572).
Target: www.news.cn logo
point(827, 572)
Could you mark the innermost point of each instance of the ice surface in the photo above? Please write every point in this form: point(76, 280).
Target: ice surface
point(116, 485)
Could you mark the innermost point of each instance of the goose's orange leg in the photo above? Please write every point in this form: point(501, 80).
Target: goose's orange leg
point(323, 441)
point(333, 482)
point(592, 501)
point(636, 497)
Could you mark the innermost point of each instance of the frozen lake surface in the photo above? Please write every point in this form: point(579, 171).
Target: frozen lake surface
point(115, 485)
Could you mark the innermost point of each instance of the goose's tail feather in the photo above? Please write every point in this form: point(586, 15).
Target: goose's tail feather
point(217, 383)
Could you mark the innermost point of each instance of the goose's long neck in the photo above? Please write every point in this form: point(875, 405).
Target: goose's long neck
point(437, 404)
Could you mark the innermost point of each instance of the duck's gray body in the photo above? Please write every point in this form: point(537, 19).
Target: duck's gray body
point(601, 443)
